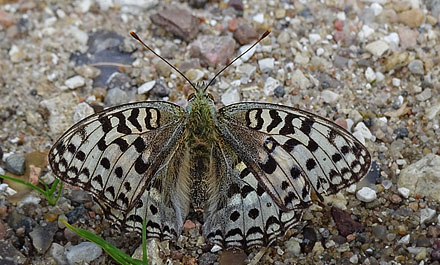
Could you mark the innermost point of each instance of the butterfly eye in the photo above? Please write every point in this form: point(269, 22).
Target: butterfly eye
point(211, 96)
point(191, 96)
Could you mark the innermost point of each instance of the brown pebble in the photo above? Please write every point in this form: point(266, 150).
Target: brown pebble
point(245, 34)
point(189, 225)
point(414, 206)
point(396, 198)
point(412, 18)
point(6, 19)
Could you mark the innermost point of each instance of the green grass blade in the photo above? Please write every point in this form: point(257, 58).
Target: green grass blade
point(113, 251)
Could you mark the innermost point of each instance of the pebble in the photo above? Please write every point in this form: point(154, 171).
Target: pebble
point(300, 81)
point(279, 92)
point(145, 87)
point(425, 95)
point(266, 64)
point(396, 82)
point(11, 255)
point(83, 252)
point(230, 96)
point(116, 96)
point(422, 177)
point(401, 132)
point(15, 163)
point(293, 246)
point(6, 19)
point(370, 75)
point(345, 224)
point(79, 35)
point(313, 38)
point(329, 96)
point(377, 48)
point(259, 18)
point(283, 38)
point(404, 192)
point(393, 40)
point(177, 21)
point(361, 132)
point(213, 49)
point(246, 69)
point(236, 4)
point(75, 82)
point(245, 34)
point(118, 80)
point(416, 67)
point(426, 215)
point(270, 85)
point(365, 32)
point(408, 38)
point(81, 111)
point(412, 18)
point(207, 258)
point(366, 194)
point(42, 236)
point(57, 253)
point(247, 55)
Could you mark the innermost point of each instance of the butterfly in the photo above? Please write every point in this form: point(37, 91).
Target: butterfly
point(248, 168)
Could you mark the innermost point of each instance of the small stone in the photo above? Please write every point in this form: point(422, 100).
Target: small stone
point(10, 255)
point(116, 96)
point(270, 85)
point(292, 246)
point(425, 95)
point(379, 77)
point(401, 133)
point(57, 253)
point(15, 54)
point(412, 18)
point(393, 40)
point(379, 232)
point(245, 34)
point(6, 19)
point(299, 80)
point(118, 80)
point(396, 199)
point(377, 8)
point(366, 194)
point(246, 69)
point(105, 5)
point(329, 96)
point(83, 6)
point(79, 35)
point(283, 38)
point(230, 96)
point(236, 4)
point(422, 177)
point(362, 132)
point(179, 22)
point(313, 38)
point(213, 49)
point(194, 75)
point(15, 164)
point(207, 258)
point(247, 55)
point(259, 18)
point(426, 214)
point(302, 59)
point(345, 224)
point(216, 248)
point(83, 252)
point(42, 236)
point(416, 67)
point(370, 75)
point(318, 248)
point(408, 38)
point(354, 259)
point(377, 48)
point(80, 196)
point(396, 82)
point(75, 82)
point(81, 111)
point(404, 192)
point(404, 240)
point(422, 254)
point(266, 64)
point(365, 32)
point(279, 92)
point(144, 88)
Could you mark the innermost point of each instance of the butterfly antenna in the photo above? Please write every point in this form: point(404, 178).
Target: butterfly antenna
point(136, 37)
point(236, 58)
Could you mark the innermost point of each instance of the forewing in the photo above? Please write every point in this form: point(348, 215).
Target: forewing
point(241, 214)
point(116, 155)
point(292, 152)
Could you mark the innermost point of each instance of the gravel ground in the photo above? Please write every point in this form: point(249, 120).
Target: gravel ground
point(371, 66)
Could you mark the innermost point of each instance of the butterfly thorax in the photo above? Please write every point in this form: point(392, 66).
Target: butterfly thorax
point(201, 137)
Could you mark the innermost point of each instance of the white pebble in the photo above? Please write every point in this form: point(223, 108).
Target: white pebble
point(392, 39)
point(366, 194)
point(84, 6)
point(81, 111)
point(351, 189)
point(404, 240)
point(363, 129)
point(396, 82)
point(215, 248)
point(377, 48)
point(379, 76)
point(319, 51)
point(266, 64)
point(377, 9)
point(354, 259)
point(370, 75)
point(75, 82)
point(259, 18)
point(365, 32)
point(247, 55)
point(329, 96)
point(313, 38)
point(231, 96)
point(83, 253)
point(426, 214)
point(341, 16)
point(404, 192)
point(270, 85)
point(144, 88)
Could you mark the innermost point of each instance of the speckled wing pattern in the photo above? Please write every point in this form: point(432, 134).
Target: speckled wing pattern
point(286, 154)
point(269, 160)
point(125, 156)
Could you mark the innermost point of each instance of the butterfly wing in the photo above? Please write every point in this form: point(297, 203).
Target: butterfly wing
point(126, 156)
point(291, 152)
point(241, 214)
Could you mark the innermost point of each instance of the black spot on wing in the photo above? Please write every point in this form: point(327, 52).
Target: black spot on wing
point(288, 125)
point(140, 166)
point(80, 155)
point(118, 172)
point(106, 125)
point(105, 163)
point(269, 165)
point(306, 126)
point(290, 144)
point(139, 144)
point(123, 145)
point(122, 124)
